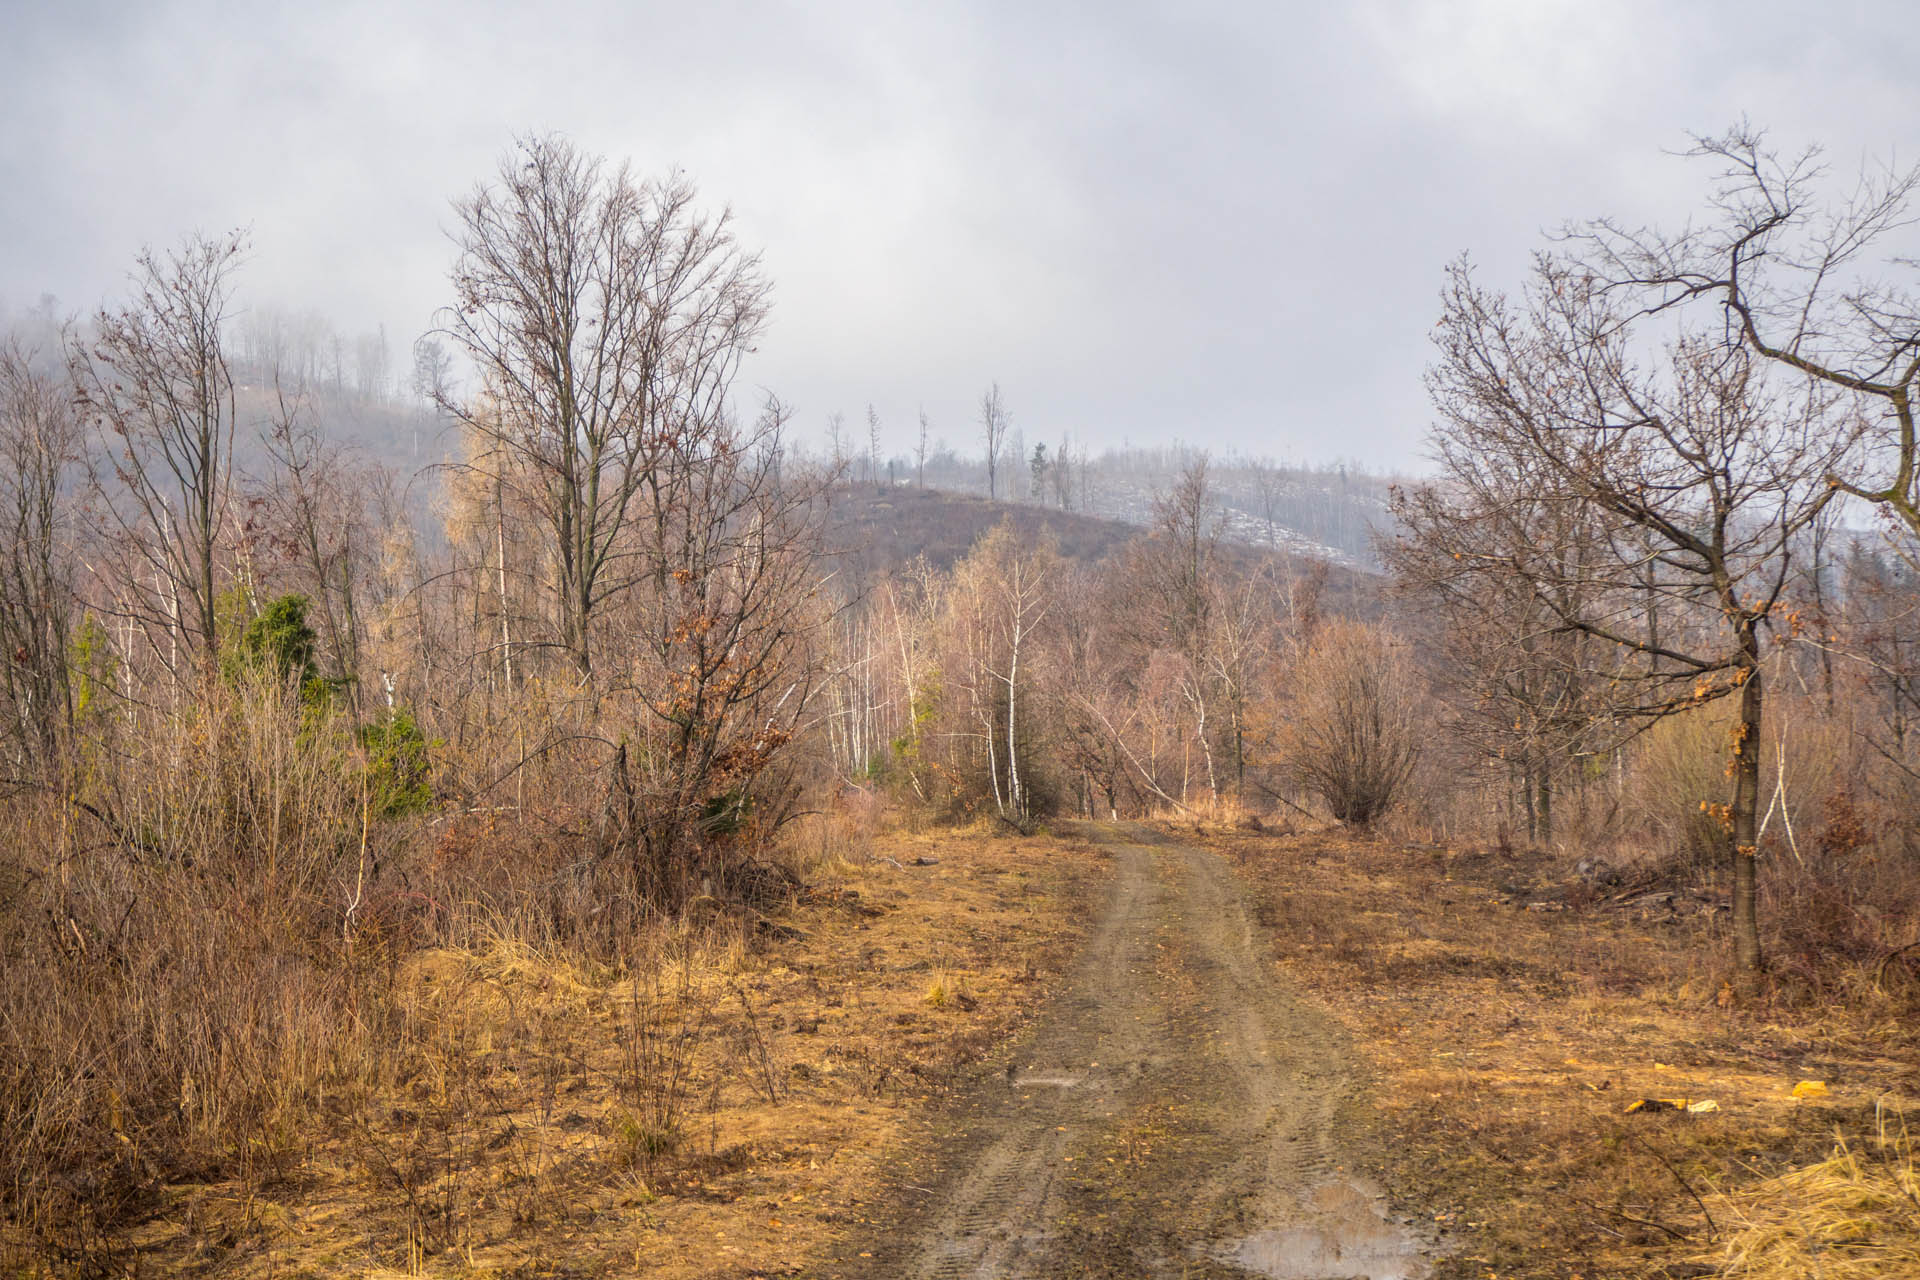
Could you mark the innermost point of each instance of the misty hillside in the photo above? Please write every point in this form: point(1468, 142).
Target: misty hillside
point(1329, 512)
point(875, 532)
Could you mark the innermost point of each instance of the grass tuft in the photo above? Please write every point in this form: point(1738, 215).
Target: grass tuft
point(1852, 1216)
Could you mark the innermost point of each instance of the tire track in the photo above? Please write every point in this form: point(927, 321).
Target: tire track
point(1171, 1017)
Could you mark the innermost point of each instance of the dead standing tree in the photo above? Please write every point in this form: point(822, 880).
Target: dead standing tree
point(994, 422)
point(1699, 477)
point(606, 318)
point(155, 382)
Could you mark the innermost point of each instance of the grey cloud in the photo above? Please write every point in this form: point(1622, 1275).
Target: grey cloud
point(1223, 223)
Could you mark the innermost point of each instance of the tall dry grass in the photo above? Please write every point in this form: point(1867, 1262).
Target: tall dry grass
point(214, 955)
point(1852, 1216)
point(179, 984)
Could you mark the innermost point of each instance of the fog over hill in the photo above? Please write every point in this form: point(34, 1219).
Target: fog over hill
point(1329, 511)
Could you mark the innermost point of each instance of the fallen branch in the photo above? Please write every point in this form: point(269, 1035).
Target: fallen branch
point(1686, 1186)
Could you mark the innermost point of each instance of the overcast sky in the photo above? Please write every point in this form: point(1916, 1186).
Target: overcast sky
point(1222, 224)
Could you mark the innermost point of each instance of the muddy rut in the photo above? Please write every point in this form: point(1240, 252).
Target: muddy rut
point(1175, 1112)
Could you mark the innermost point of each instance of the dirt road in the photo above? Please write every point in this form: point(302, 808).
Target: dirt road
point(1175, 1113)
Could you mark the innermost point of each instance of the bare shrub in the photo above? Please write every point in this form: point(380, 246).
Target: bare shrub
point(659, 1027)
point(1354, 737)
point(1678, 784)
point(175, 988)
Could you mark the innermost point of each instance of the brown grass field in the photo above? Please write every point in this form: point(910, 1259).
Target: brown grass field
point(1508, 1023)
point(725, 1118)
point(746, 1108)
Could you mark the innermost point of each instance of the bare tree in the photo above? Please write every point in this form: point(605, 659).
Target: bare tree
point(873, 445)
point(1793, 277)
point(1060, 471)
point(993, 428)
point(1003, 593)
point(1697, 477)
point(372, 362)
point(606, 318)
point(1517, 680)
point(40, 447)
point(837, 441)
point(1354, 737)
point(155, 381)
point(432, 378)
point(720, 640)
point(920, 454)
point(1174, 571)
point(314, 508)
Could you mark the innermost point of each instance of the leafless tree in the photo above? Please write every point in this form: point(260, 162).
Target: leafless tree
point(1354, 737)
point(1003, 592)
point(372, 361)
point(920, 453)
point(837, 441)
point(1803, 281)
point(313, 509)
point(40, 449)
point(606, 318)
point(993, 429)
point(432, 378)
point(1882, 632)
point(1696, 477)
point(1522, 685)
point(1175, 573)
point(720, 640)
point(154, 380)
point(1060, 470)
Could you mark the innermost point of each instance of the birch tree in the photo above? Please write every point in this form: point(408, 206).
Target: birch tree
point(1003, 593)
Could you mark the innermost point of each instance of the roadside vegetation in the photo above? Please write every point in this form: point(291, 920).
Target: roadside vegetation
point(1511, 1013)
point(589, 849)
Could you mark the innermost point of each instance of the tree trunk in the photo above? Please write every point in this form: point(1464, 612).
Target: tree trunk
point(1746, 803)
point(1015, 796)
point(1544, 785)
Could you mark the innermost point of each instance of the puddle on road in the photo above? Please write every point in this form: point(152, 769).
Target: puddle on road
point(1340, 1233)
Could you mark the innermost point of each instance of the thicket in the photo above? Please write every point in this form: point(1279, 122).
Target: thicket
point(270, 739)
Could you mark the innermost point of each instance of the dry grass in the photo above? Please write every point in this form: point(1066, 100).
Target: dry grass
point(717, 1103)
point(247, 1026)
point(1510, 1017)
point(1853, 1216)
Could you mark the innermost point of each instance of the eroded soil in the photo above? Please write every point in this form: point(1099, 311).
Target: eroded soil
point(1176, 1111)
